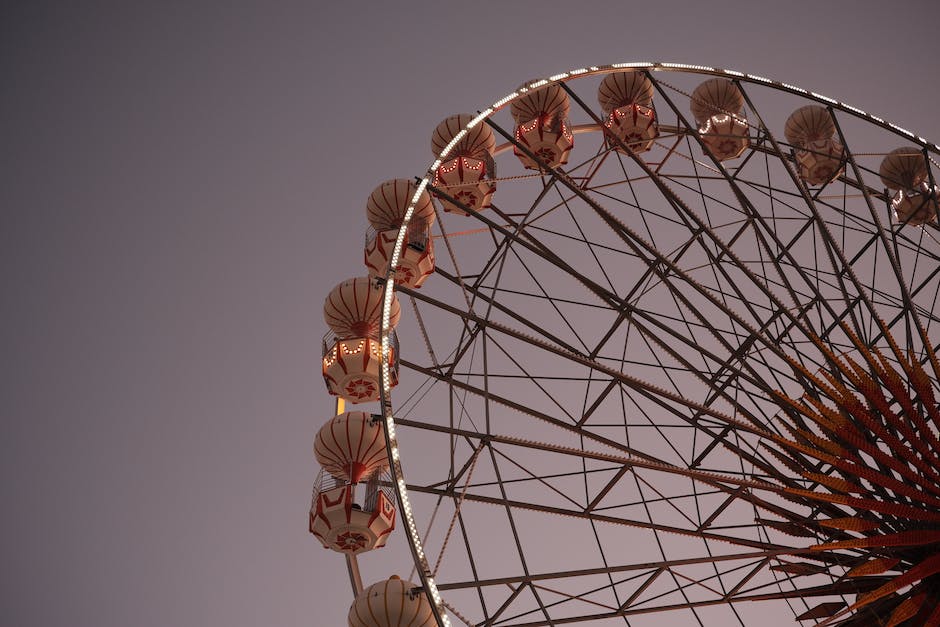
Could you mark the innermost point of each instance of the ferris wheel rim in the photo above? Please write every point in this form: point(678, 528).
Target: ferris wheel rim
point(428, 583)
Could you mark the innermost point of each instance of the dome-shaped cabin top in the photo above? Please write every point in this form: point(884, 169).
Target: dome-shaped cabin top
point(354, 308)
point(351, 446)
point(478, 143)
point(391, 603)
point(620, 89)
point(388, 203)
point(903, 168)
point(808, 124)
point(715, 96)
point(549, 102)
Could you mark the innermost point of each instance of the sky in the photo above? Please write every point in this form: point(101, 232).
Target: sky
point(182, 184)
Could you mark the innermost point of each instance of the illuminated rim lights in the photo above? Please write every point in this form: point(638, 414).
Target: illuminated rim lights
point(395, 469)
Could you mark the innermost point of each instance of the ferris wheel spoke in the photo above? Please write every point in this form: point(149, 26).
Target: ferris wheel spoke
point(697, 420)
point(723, 247)
point(544, 252)
point(635, 610)
point(630, 238)
point(632, 382)
point(656, 333)
point(722, 483)
point(784, 254)
point(544, 295)
point(491, 300)
point(890, 246)
point(740, 196)
point(837, 257)
point(633, 460)
point(588, 245)
point(517, 505)
point(508, 509)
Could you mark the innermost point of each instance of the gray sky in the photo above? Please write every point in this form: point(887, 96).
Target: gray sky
point(183, 184)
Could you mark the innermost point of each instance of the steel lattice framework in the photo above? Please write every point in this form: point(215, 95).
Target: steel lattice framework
point(592, 410)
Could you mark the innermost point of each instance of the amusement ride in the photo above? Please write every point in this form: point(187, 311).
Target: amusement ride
point(646, 342)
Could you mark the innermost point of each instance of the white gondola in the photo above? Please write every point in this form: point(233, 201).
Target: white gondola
point(717, 108)
point(385, 210)
point(465, 177)
point(542, 127)
point(905, 171)
point(819, 156)
point(352, 350)
point(627, 101)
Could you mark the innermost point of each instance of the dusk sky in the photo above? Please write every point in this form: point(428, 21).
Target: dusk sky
point(183, 183)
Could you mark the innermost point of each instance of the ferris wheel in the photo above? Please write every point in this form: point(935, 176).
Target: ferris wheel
point(647, 340)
